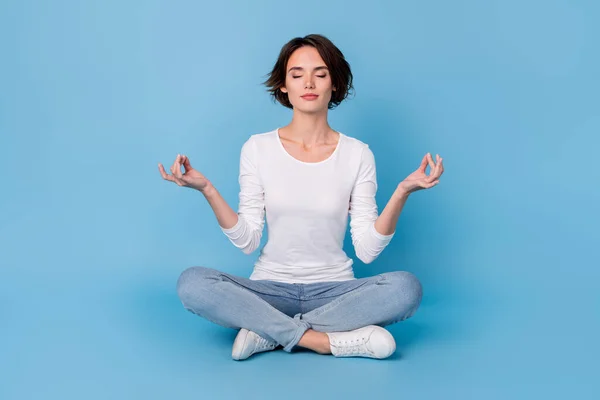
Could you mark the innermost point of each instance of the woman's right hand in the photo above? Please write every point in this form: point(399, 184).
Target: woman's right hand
point(190, 178)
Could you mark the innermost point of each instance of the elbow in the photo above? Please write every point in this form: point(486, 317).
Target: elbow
point(249, 249)
point(369, 247)
point(365, 258)
point(246, 236)
point(253, 244)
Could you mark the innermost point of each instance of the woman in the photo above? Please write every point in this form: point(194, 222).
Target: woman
point(306, 179)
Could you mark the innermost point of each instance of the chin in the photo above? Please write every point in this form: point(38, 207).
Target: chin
point(308, 109)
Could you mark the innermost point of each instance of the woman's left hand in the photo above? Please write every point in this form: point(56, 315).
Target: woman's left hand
point(419, 180)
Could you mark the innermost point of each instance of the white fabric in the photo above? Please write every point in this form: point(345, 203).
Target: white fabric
point(306, 207)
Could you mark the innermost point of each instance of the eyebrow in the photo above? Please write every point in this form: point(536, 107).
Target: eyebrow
point(302, 69)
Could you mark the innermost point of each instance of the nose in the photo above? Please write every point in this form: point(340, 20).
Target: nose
point(309, 82)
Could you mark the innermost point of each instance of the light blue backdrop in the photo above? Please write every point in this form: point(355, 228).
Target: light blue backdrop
point(94, 94)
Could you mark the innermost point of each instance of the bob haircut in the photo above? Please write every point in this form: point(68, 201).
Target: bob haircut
point(339, 69)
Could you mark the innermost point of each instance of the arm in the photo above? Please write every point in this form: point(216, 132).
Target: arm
point(194, 179)
point(368, 241)
point(226, 216)
point(386, 222)
point(418, 180)
point(244, 228)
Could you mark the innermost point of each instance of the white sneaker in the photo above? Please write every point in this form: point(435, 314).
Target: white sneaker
point(247, 343)
point(370, 341)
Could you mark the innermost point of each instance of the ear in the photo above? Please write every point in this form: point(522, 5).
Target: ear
point(283, 89)
point(333, 88)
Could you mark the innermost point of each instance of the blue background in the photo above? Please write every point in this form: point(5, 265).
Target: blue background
point(94, 94)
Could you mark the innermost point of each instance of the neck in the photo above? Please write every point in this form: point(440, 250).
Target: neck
point(309, 129)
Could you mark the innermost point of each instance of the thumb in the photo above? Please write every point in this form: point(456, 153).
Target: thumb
point(186, 163)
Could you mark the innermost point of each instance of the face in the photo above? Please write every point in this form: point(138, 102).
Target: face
point(306, 73)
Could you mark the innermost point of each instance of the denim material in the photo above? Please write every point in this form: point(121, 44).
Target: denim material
point(282, 312)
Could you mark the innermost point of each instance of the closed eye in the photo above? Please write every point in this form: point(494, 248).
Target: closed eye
point(318, 76)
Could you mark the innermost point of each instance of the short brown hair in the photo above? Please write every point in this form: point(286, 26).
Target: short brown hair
point(341, 75)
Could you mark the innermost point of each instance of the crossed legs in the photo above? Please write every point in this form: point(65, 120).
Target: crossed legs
point(236, 302)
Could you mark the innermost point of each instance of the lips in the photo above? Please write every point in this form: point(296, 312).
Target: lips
point(310, 96)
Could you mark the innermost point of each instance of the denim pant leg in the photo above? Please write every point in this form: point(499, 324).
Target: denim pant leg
point(378, 300)
point(236, 302)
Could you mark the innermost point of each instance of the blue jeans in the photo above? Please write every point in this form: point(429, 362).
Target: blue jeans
point(282, 312)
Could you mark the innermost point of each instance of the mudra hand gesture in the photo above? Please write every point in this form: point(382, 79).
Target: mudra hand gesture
point(419, 180)
point(190, 178)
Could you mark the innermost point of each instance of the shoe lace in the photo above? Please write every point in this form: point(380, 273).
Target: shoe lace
point(351, 347)
point(263, 343)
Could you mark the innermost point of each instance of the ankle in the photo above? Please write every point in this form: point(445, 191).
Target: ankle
point(315, 341)
point(323, 347)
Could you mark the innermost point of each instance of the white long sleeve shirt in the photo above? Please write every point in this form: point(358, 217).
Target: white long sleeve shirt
point(306, 207)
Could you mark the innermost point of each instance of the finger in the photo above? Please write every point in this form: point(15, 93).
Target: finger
point(177, 164)
point(186, 163)
point(429, 184)
point(431, 163)
point(441, 167)
point(424, 183)
point(176, 171)
point(436, 171)
point(432, 175)
point(424, 163)
point(162, 170)
point(173, 166)
point(164, 173)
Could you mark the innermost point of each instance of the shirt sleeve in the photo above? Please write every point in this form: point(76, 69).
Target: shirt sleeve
point(247, 232)
point(368, 243)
